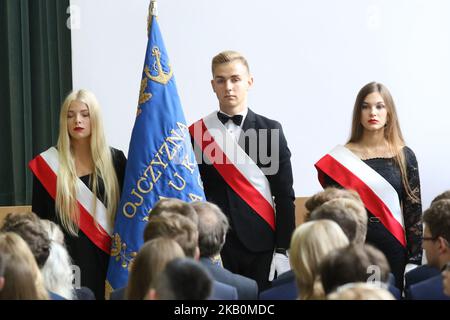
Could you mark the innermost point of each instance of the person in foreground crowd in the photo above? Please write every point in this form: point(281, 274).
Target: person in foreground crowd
point(329, 193)
point(183, 230)
point(310, 243)
point(149, 264)
point(58, 271)
point(22, 277)
point(425, 271)
point(341, 209)
point(78, 184)
point(353, 223)
point(32, 229)
point(377, 164)
point(353, 264)
point(360, 291)
point(212, 229)
point(182, 279)
point(253, 188)
point(436, 243)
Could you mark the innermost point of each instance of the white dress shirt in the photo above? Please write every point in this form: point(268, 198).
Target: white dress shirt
point(233, 128)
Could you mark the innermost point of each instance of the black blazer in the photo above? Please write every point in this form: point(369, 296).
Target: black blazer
point(247, 288)
point(419, 274)
point(253, 231)
point(429, 289)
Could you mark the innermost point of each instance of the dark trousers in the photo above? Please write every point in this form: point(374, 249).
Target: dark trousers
point(396, 254)
point(238, 259)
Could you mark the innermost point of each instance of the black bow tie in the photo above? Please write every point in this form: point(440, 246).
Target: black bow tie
point(237, 119)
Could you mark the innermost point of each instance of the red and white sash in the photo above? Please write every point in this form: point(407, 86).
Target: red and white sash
point(378, 195)
point(239, 171)
point(45, 167)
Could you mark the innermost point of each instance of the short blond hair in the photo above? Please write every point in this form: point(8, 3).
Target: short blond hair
point(310, 243)
point(361, 291)
point(227, 57)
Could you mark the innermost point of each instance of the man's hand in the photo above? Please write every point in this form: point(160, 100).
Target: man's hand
point(280, 264)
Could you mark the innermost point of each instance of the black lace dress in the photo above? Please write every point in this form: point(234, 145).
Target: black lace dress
point(92, 261)
point(377, 233)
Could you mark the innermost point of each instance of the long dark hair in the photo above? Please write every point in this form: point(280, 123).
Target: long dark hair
point(392, 131)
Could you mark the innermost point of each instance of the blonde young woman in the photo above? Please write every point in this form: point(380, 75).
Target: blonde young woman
point(22, 277)
point(377, 164)
point(310, 243)
point(77, 185)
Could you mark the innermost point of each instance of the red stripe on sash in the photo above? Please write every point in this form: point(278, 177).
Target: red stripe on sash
point(47, 177)
point(232, 175)
point(339, 173)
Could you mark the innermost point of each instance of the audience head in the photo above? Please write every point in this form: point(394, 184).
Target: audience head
point(30, 228)
point(22, 277)
point(177, 227)
point(57, 271)
point(444, 195)
point(436, 234)
point(310, 243)
point(212, 228)
point(182, 279)
point(349, 214)
point(172, 205)
point(361, 291)
point(334, 211)
point(328, 194)
point(353, 263)
point(54, 232)
point(150, 261)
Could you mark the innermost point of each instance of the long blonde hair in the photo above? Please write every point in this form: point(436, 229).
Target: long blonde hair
point(66, 190)
point(21, 265)
point(310, 243)
point(392, 131)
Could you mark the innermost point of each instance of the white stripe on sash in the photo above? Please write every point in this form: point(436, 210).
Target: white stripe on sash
point(242, 162)
point(84, 194)
point(383, 189)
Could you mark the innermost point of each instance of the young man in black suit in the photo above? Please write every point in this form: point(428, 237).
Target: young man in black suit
point(245, 166)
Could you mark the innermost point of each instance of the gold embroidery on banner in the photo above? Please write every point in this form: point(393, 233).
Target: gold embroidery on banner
point(143, 96)
point(178, 187)
point(119, 251)
point(108, 290)
point(195, 197)
point(162, 77)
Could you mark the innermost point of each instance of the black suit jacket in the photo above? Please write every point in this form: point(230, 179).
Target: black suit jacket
point(247, 288)
point(419, 274)
point(429, 289)
point(253, 231)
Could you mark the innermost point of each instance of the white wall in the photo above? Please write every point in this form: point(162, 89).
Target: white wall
point(309, 59)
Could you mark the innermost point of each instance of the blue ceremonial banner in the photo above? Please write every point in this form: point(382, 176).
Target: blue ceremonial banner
point(161, 162)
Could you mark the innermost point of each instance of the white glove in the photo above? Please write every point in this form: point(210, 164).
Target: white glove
point(409, 267)
point(280, 264)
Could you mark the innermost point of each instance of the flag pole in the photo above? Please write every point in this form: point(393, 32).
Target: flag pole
point(152, 12)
